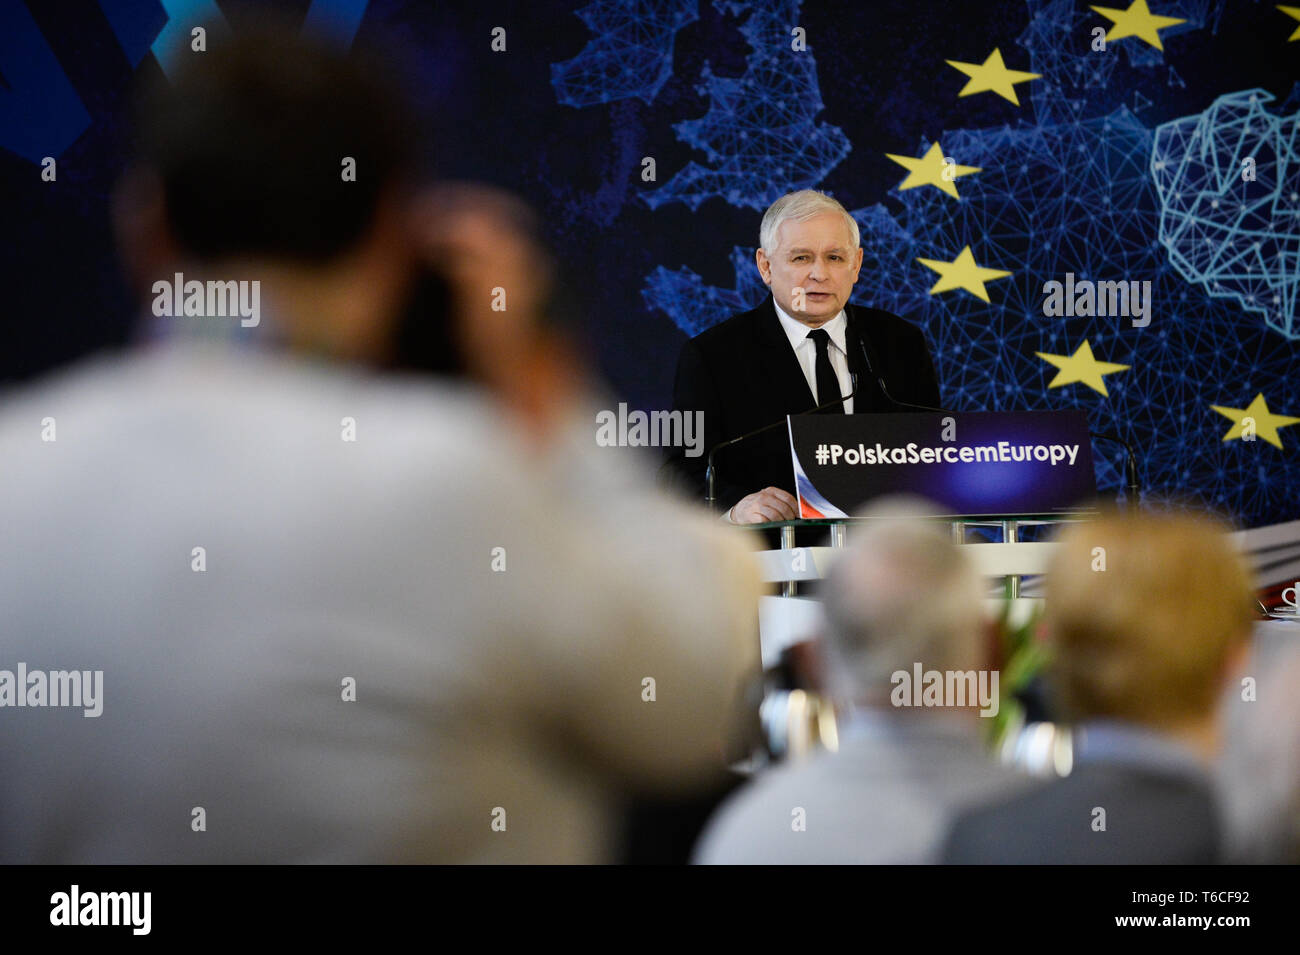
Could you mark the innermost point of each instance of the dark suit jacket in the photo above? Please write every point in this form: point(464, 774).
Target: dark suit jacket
point(743, 374)
point(1153, 817)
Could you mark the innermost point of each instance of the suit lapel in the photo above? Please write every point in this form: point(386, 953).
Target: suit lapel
point(780, 367)
point(853, 316)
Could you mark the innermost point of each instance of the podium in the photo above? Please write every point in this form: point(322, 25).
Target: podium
point(984, 463)
point(1005, 470)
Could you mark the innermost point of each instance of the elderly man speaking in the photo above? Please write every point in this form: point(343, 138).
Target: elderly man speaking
point(803, 346)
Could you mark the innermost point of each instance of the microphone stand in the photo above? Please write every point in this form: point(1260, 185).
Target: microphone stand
point(1132, 490)
point(710, 471)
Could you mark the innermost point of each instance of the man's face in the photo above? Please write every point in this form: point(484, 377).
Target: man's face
point(813, 267)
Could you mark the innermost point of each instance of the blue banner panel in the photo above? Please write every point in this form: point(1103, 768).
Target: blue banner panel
point(985, 463)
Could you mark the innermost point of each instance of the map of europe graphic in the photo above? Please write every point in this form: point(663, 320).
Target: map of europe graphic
point(1068, 188)
point(1169, 156)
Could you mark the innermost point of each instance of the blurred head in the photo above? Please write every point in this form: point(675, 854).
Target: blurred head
point(1146, 615)
point(809, 255)
point(902, 593)
point(244, 173)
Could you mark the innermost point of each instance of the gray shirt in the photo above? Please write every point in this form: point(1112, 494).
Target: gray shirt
point(404, 647)
point(886, 796)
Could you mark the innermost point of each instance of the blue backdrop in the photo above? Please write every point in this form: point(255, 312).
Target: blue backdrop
point(1169, 156)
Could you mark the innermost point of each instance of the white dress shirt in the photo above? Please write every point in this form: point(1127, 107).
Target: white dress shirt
point(806, 351)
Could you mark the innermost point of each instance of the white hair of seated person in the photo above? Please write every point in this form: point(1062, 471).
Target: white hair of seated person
point(902, 593)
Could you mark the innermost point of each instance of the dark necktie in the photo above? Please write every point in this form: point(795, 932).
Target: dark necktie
point(828, 386)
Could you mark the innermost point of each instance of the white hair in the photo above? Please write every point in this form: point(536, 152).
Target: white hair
point(902, 593)
point(799, 207)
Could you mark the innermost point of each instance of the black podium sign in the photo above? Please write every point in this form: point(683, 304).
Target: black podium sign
point(981, 463)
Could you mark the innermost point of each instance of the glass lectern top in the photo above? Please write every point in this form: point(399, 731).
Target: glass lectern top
point(976, 520)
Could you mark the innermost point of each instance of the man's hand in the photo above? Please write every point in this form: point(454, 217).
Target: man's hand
point(481, 240)
point(769, 504)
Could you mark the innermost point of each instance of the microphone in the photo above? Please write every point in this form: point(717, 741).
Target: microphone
point(710, 471)
point(866, 357)
point(1132, 490)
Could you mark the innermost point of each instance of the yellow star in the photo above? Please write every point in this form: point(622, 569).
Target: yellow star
point(1136, 21)
point(962, 272)
point(992, 76)
point(1293, 12)
point(1266, 423)
point(931, 170)
point(1081, 366)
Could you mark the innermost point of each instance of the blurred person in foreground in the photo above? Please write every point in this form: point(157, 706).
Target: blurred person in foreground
point(531, 357)
point(1258, 773)
point(337, 619)
point(1147, 617)
point(901, 596)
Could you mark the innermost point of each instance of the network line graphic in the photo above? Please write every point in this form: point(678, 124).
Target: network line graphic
point(760, 135)
point(1229, 186)
point(1078, 185)
point(630, 54)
